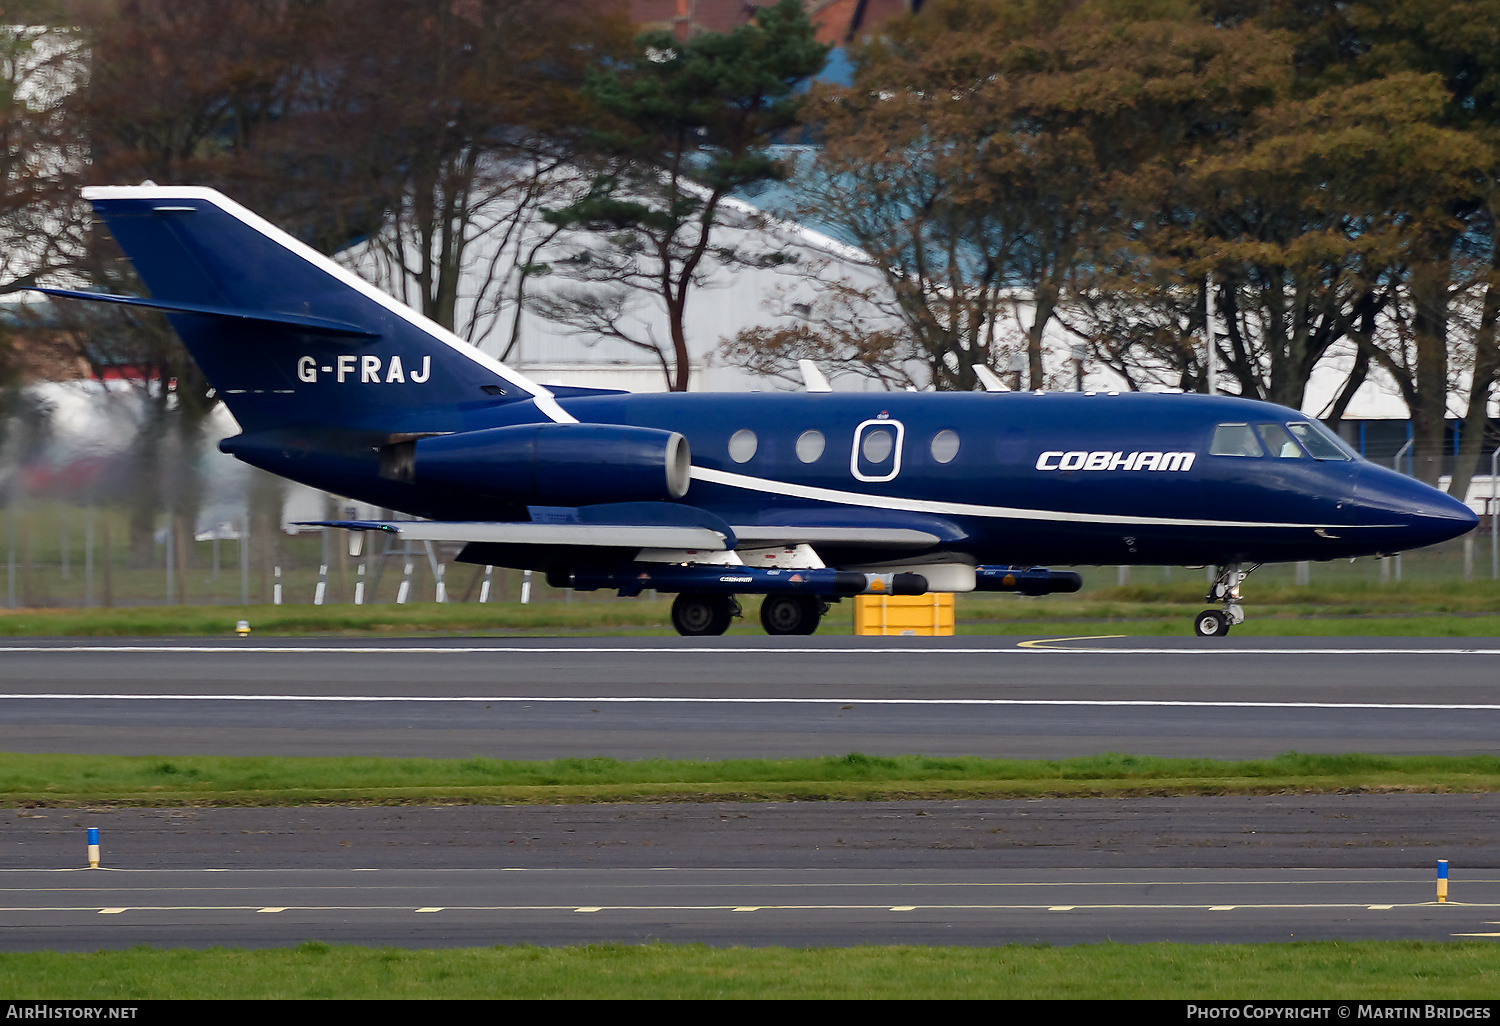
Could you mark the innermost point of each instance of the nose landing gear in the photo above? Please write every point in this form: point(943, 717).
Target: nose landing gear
point(1215, 623)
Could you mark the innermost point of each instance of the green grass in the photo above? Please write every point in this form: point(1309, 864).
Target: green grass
point(1344, 599)
point(1355, 971)
point(1417, 610)
point(392, 620)
point(70, 780)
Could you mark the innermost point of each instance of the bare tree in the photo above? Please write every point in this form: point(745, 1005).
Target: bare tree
point(466, 119)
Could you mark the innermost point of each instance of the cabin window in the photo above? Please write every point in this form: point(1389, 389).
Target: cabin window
point(742, 445)
point(1234, 440)
point(810, 446)
point(1322, 444)
point(1278, 442)
point(945, 446)
point(876, 454)
point(877, 444)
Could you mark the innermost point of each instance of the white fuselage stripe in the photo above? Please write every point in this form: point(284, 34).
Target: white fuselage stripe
point(969, 509)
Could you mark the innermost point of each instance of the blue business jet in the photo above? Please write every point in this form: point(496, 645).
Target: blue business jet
point(803, 498)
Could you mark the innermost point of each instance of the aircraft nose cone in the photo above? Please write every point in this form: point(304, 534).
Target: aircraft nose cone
point(1417, 513)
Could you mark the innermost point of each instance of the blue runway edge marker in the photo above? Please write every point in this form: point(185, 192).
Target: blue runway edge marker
point(93, 847)
point(1442, 881)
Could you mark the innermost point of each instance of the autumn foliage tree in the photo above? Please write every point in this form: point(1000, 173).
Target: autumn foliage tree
point(1322, 174)
point(988, 153)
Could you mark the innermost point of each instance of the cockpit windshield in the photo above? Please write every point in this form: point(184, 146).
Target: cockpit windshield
point(1321, 443)
point(1280, 441)
point(1234, 440)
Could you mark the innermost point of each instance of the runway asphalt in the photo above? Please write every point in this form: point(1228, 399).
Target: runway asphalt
point(827, 873)
point(638, 698)
point(824, 873)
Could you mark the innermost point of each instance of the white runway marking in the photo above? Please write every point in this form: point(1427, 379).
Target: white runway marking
point(720, 907)
point(734, 700)
point(1033, 646)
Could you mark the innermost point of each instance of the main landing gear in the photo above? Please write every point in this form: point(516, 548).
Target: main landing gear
point(1215, 623)
point(791, 614)
point(702, 615)
point(699, 615)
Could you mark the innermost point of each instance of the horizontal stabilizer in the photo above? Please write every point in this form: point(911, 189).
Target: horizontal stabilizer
point(299, 322)
point(502, 533)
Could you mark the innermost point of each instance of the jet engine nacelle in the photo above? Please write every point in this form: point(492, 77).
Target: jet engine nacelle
point(550, 464)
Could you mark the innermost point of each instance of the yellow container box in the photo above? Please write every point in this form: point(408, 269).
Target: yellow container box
point(926, 616)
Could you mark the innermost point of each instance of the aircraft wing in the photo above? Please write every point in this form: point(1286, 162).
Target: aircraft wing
point(638, 536)
point(599, 535)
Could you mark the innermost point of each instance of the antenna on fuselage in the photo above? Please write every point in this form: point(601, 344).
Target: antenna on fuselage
point(812, 378)
point(989, 379)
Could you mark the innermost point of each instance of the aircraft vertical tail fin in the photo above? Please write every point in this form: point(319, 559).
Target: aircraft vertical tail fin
point(286, 335)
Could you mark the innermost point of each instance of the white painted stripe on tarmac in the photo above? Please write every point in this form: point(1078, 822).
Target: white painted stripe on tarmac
point(1024, 648)
point(738, 700)
point(721, 907)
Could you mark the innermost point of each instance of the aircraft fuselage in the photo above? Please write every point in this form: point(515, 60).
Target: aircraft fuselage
point(1015, 478)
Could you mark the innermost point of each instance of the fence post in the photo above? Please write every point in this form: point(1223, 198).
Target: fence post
point(405, 589)
point(245, 559)
point(88, 555)
point(170, 591)
point(440, 589)
point(10, 559)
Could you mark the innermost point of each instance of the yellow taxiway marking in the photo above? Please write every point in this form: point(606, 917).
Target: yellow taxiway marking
point(1381, 908)
point(1061, 908)
point(1222, 908)
point(589, 908)
point(436, 909)
point(903, 908)
point(110, 911)
point(279, 909)
point(1039, 642)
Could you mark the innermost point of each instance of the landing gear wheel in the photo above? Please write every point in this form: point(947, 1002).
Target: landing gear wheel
point(702, 616)
point(1211, 624)
point(791, 614)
